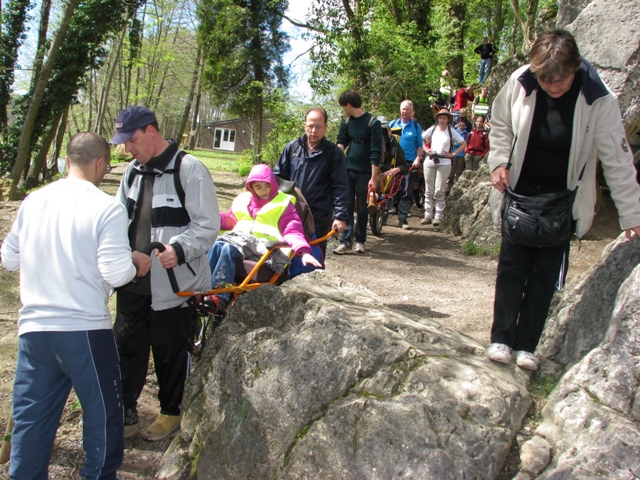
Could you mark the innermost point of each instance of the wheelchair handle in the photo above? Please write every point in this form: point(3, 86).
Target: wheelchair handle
point(147, 249)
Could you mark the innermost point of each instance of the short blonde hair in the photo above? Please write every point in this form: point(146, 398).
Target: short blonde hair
point(555, 53)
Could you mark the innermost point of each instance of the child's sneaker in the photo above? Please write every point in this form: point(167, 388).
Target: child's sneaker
point(527, 360)
point(359, 247)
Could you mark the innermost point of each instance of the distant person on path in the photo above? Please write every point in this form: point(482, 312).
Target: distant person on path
point(170, 198)
point(457, 162)
point(318, 168)
point(437, 167)
point(363, 135)
point(481, 105)
point(70, 243)
point(477, 145)
point(411, 143)
point(551, 121)
point(463, 97)
point(486, 51)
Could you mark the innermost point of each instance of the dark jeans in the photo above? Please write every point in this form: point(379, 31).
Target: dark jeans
point(169, 333)
point(527, 279)
point(356, 202)
point(457, 167)
point(406, 195)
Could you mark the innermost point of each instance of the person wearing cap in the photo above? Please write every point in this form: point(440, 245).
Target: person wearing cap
point(318, 168)
point(411, 143)
point(437, 165)
point(64, 328)
point(170, 198)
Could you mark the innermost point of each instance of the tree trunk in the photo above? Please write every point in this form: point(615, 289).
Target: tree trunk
point(106, 87)
point(24, 147)
point(43, 29)
point(187, 108)
point(40, 163)
point(193, 134)
point(53, 169)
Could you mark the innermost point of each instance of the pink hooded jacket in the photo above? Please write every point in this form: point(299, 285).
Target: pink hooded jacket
point(290, 225)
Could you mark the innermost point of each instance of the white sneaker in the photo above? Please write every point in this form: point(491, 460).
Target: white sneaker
point(425, 221)
point(341, 249)
point(359, 247)
point(499, 352)
point(436, 221)
point(527, 360)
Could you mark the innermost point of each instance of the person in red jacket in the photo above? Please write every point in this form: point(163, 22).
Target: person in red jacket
point(477, 146)
point(463, 97)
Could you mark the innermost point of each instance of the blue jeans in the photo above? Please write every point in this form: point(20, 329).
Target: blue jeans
point(356, 202)
point(49, 364)
point(222, 260)
point(485, 69)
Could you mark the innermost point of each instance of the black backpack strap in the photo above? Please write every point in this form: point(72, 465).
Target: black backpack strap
point(177, 183)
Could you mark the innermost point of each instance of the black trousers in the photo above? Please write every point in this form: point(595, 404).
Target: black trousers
point(527, 279)
point(168, 333)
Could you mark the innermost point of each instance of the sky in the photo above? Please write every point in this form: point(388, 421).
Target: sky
point(299, 85)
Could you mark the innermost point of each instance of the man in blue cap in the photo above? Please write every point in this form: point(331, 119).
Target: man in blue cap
point(170, 198)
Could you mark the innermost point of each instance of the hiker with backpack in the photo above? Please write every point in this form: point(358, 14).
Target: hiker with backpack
point(170, 198)
point(411, 143)
point(437, 166)
point(317, 166)
point(361, 134)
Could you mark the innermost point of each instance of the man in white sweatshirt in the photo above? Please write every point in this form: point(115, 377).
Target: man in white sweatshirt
point(71, 246)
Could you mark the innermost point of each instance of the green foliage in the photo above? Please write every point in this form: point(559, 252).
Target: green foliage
point(471, 249)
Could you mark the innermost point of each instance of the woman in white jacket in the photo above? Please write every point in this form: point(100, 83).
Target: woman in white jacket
point(551, 121)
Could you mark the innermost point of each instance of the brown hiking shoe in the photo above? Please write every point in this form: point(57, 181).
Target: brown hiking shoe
point(162, 427)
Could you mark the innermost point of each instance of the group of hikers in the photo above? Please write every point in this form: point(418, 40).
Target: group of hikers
point(73, 243)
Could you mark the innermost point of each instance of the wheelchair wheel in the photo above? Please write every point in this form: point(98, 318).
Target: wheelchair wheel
point(206, 323)
point(376, 221)
point(418, 196)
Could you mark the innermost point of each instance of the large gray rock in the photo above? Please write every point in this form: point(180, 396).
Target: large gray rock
point(608, 36)
point(592, 419)
point(583, 310)
point(317, 379)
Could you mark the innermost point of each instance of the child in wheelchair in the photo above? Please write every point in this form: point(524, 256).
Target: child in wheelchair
point(260, 215)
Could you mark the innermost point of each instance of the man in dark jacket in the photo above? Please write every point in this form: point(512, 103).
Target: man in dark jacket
point(486, 51)
point(318, 168)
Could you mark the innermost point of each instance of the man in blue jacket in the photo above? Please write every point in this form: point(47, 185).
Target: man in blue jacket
point(411, 143)
point(318, 168)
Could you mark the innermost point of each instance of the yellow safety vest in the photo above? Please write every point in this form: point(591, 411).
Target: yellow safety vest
point(265, 225)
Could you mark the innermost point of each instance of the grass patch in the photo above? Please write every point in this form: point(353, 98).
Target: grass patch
point(473, 250)
point(223, 161)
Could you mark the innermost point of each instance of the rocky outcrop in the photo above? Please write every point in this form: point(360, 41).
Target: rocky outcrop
point(317, 379)
point(608, 36)
point(591, 423)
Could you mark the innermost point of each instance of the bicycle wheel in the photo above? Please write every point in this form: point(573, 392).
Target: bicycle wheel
point(376, 220)
point(206, 322)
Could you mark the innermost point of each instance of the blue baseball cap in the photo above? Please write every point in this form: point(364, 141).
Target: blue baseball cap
point(129, 120)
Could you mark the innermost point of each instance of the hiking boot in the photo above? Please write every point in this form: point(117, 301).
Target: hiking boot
point(436, 222)
point(425, 221)
point(162, 427)
point(131, 425)
point(499, 352)
point(527, 360)
point(341, 249)
point(359, 247)
point(405, 226)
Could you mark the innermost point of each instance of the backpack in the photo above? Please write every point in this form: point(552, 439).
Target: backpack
point(383, 146)
point(433, 127)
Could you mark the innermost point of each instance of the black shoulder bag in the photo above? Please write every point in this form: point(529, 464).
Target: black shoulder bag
point(538, 221)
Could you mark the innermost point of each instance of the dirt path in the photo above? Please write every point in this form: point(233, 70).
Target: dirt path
point(421, 271)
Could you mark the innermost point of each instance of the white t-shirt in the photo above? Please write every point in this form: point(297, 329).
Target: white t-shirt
point(440, 142)
point(70, 243)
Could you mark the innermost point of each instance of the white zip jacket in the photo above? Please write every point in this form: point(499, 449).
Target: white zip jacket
point(598, 132)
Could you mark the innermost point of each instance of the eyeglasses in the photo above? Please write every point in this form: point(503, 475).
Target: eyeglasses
point(314, 127)
point(109, 168)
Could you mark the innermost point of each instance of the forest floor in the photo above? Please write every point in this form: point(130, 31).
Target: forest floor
point(421, 271)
